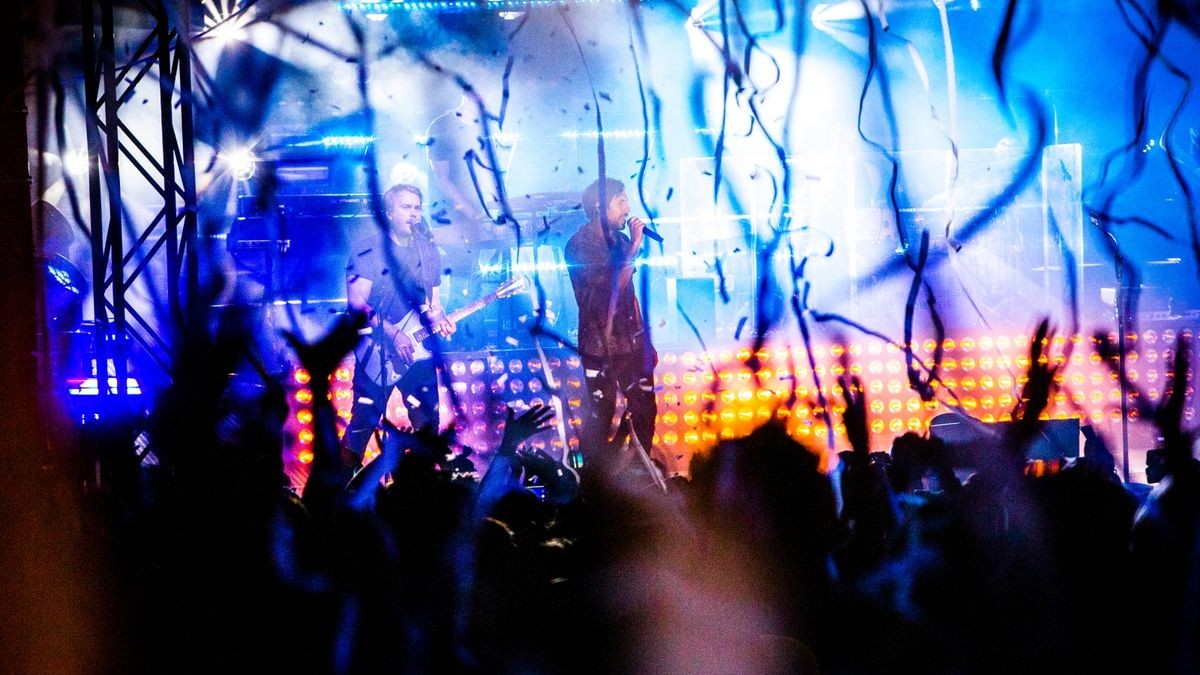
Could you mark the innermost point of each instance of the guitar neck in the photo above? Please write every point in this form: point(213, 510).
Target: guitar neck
point(461, 313)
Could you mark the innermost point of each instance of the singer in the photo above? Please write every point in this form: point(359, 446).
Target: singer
point(614, 343)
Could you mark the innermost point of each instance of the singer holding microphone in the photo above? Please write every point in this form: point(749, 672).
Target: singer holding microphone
point(614, 343)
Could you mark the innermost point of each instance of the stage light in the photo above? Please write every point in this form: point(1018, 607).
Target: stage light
point(91, 387)
point(241, 163)
point(610, 133)
point(75, 162)
point(226, 20)
point(305, 436)
point(304, 396)
point(347, 142)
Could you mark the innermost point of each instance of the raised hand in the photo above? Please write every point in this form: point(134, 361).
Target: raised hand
point(1035, 395)
point(519, 428)
point(322, 357)
point(1169, 416)
point(855, 416)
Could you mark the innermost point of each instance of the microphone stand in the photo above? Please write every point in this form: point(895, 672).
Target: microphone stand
point(1122, 351)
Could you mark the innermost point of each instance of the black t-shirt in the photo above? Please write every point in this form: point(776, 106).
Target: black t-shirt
point(393, 295)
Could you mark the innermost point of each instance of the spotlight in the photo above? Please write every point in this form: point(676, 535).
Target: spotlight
point(226, 20)
point(351, 142)
point(241, 163)
point(75, 162)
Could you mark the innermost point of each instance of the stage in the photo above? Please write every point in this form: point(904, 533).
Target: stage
point(706, 397)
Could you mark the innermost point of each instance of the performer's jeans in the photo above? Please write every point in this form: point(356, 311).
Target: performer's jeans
point(634, 375)
point(419, 389)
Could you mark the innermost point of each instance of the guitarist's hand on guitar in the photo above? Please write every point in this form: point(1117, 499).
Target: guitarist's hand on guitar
point(403, 346)
point(441, 324)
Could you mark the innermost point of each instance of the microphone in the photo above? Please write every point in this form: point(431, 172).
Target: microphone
point(650, 234)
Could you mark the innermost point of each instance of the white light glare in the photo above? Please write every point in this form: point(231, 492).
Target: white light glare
point(611, 133)
point(347, 142)
point(240, 163)
point(75, 162)
point(226, 20)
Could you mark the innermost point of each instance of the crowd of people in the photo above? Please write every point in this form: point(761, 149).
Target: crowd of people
point(759, 563)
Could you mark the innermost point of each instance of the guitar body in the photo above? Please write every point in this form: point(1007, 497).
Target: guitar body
point(381, 366)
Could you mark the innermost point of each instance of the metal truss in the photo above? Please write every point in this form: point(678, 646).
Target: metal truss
point(121, 249)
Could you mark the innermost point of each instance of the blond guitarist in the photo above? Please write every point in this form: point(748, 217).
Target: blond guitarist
point(398, 291)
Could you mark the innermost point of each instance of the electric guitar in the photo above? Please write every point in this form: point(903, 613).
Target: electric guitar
point(383, 366)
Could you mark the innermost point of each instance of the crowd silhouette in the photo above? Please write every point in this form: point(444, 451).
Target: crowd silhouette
point(760, 563)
